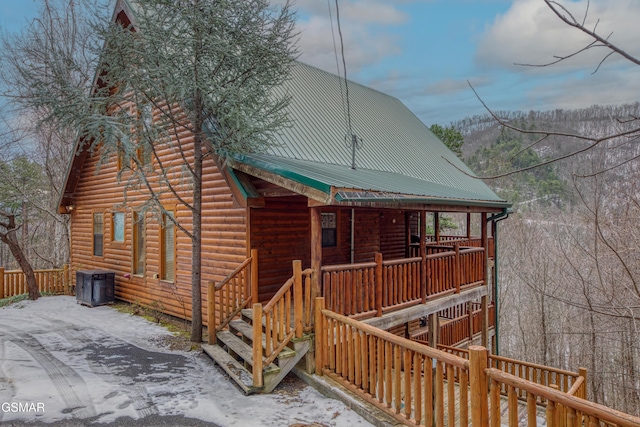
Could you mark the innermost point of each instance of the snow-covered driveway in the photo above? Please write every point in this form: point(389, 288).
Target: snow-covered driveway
point(60, 361)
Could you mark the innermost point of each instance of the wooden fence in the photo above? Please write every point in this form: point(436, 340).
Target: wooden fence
point(54, 281)
point(573, 383)
point(422, 386)
point(403, 378)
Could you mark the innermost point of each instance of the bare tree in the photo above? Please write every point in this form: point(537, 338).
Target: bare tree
point(8, 235)
point(629, 126)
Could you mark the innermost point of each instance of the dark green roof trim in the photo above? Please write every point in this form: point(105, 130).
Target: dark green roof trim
point(400, 198)
point(283, 172)
point(246, 193)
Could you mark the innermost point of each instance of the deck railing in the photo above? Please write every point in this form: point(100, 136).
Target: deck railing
point(459, 330)
point(228, 298)
point(401, 283)
point(54, 281)
point(422, 386)
point(562, 409)
point(351, 289)
point(402, 378)
point(447, 242)
point(369, 289)
point(277, 322)
point(449, 272)
point(566, 381)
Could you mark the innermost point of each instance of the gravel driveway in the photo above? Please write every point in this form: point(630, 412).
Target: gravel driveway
point(66, 364)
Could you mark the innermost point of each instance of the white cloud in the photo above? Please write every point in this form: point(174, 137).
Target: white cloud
point(362, 23)
point(529, 32)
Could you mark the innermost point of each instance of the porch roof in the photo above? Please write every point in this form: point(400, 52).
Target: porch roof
point(367, 185)
point(398, 160)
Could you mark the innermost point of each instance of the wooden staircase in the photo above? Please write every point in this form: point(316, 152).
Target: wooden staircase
point(234, 353)
point(259, 346)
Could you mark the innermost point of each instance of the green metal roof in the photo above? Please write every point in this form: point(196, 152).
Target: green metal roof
point(398, 153)
point(368, 185)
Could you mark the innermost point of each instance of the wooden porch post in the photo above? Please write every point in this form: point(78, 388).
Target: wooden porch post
point(485, 302)
point(379, 273)
point(407, 233)
point(316, 251)
point(319, 335)
point(457, 274)
point(436, 226)
point(469, 225)
point(297, 297)
point(470, 314)
point(257, 345)
point(478, 383)
point(254, 276)
point(423, 255)
point(434, 329)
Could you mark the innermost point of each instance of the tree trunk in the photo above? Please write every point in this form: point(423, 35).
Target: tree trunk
point(196, 244)
point(10, 239)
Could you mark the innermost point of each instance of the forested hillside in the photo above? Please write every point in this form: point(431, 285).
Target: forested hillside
point(570, 252)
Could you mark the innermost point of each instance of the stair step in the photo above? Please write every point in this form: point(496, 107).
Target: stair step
point(231, 366)
point(247, 330)
point(247, 313)
point(242, 349)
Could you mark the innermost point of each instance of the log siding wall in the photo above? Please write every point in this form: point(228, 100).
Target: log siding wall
point(224, 243)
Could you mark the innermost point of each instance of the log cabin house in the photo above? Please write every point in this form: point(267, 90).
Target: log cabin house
point(354, 216)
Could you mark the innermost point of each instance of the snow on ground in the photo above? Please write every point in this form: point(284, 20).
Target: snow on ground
point(62, 361)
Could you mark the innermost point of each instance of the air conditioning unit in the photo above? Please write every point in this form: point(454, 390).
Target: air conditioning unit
point(94, 287)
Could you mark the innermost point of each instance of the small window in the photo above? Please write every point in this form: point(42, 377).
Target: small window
point(167, 238)
point(138, 243)
point(145, 120)
point(98, 233)
point(117, 227)
point(329, 230)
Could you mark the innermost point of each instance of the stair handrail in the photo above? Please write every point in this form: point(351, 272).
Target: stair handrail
point(279, 327)
point(233, 294)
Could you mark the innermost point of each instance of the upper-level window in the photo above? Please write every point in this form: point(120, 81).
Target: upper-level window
point(98, 233)
point(329, 229)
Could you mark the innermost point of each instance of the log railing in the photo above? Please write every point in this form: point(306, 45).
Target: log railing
point(446, 244)
point(422, 386)
point(461, 329)
point(350, 289)
point(228, 298)
point(54, 281)
point(449, 272)
point(279, 322)
point(400, 377)
point(566, 381)
point(369, 289)
point(401, 283)
point(562, 409)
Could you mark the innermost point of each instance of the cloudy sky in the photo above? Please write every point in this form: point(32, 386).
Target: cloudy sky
point(426, 51)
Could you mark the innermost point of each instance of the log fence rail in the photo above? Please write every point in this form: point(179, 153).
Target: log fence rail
point(54, 281)
point(410, 382)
